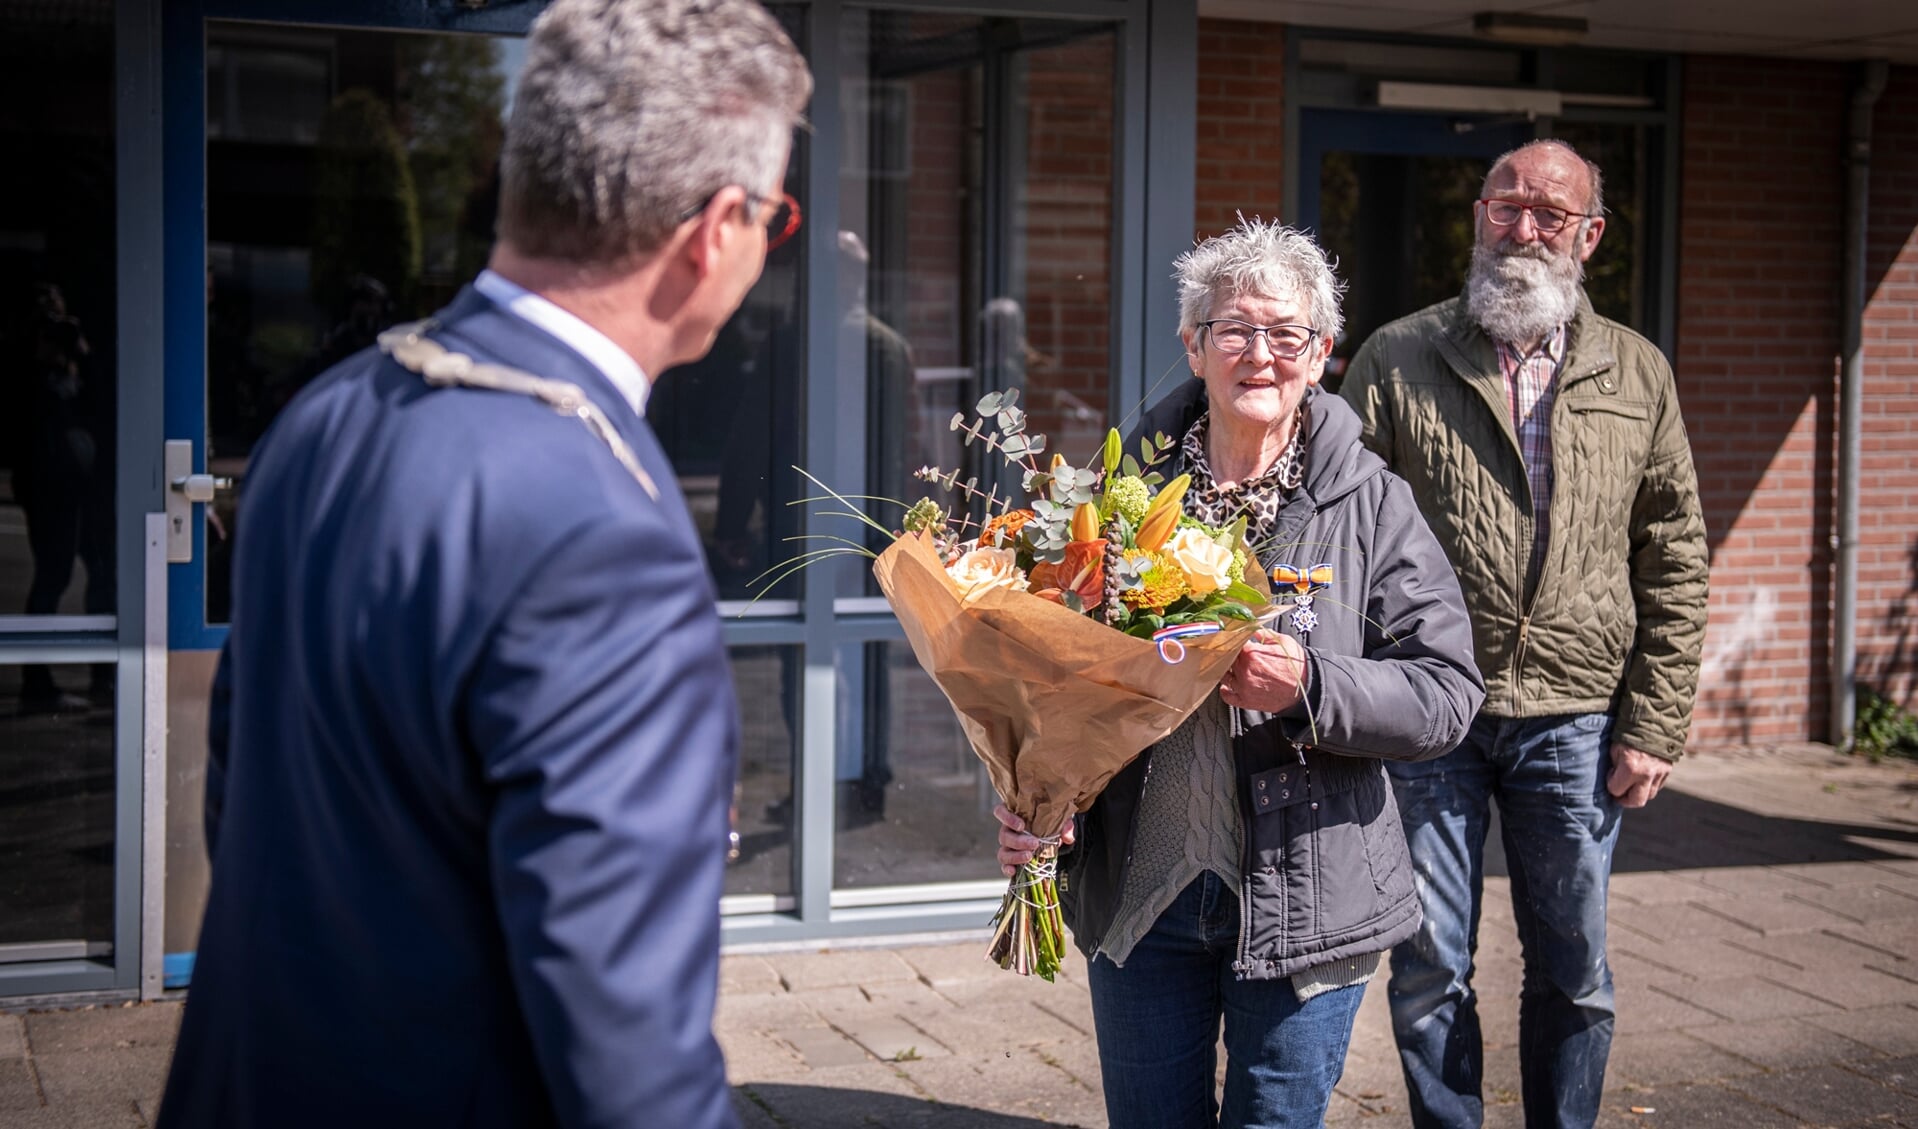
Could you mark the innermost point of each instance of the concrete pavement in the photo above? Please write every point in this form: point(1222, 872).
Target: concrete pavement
point(1765, 944)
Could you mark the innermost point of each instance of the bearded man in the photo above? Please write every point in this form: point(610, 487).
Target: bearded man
point(1546, 450)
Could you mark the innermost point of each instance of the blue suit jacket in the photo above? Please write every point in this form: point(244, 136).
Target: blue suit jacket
point(473, 748)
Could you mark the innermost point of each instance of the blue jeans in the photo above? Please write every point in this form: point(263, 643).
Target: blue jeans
point(1559, 826)
point(1157, 1021)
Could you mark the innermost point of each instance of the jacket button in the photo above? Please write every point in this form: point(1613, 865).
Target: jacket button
point(1281, 779)
point(1271, 870)
point(1262, 783)
point(1265, 801)
point(1286, 795)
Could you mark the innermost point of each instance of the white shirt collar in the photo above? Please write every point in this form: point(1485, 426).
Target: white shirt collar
point(614, 362)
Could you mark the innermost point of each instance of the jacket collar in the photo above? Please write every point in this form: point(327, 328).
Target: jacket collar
point(1473, 355)
point(473, 323)
point(1335, 462)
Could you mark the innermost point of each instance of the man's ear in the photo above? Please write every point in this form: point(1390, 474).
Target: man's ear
point(1593, 229)
point(713, 229)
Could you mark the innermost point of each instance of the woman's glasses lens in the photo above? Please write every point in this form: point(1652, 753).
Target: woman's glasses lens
point(1287, 342)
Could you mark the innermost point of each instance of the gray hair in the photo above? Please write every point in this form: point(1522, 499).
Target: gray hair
point(631, 113)
point(1259, 259)
point(1594, 204)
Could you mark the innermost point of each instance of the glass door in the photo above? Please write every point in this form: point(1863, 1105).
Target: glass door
point(1390, 196)
point(70, 540)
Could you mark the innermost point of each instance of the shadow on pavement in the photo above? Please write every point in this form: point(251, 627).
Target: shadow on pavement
point(827, 1107)
point(1680, 831)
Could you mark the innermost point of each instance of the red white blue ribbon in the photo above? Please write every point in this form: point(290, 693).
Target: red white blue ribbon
point(1173, 651)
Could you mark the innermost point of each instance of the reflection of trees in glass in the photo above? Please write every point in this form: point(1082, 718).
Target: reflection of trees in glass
point(1338, 216)
point(1613, 276)
point(365, 212)
point(1443, 189)
point(452, 96)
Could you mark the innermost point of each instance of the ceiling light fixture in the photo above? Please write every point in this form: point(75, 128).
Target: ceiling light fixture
point(1530, 29)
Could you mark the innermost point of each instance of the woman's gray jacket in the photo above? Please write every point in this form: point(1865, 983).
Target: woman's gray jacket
point(1326, 874)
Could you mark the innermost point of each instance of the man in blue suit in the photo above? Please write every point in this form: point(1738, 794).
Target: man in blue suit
point(474, 733)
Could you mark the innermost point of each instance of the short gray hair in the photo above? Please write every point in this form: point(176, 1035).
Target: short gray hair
point(1259, 259)
point(1594, 205)
point(630, 113)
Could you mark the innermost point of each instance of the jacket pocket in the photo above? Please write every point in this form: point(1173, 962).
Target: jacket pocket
point(1610, 405)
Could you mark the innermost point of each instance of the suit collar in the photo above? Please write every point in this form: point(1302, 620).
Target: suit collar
point(474, 323)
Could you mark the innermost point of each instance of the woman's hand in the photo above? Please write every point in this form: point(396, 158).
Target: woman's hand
point(1268, 676)
point(1017, 845)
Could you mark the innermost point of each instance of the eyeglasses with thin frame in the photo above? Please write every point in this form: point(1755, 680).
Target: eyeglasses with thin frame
point(781, 226)
point(1287, 341)
point(1546, 220)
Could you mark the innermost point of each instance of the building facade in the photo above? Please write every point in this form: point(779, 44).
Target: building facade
point(215, 199)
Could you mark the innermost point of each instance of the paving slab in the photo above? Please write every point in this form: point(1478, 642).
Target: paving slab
point(1783, 1044)
point(1750, 880)
point(1654, 1009)
point(1746, 998)
point(19, 1087)
point(1839, 875)
point(1657, 1058)
point(840, 968)
point(124, 1076)
point(1705, 1105)
point(1703, 958)
point(1772, 914)
point(822, 1048)
point(1897, 1073)
point(1672, 922)
point(99, 1028)
point(1855, 986)
point(1888, 1030)
point(1014, 1082)
point(748, 976)
point(753, 1056)
point(84, 1115)
point(1863, 905)
point(1894, 939)
point(13, 1036)
point(1827, 1095)
point(1649, 888)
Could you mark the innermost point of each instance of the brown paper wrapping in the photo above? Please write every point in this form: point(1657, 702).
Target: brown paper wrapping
point(1053, 702)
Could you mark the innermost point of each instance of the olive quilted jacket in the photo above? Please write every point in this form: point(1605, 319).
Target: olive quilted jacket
point(1616, 620)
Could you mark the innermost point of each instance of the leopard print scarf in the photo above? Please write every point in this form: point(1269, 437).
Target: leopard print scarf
point(1258, 498)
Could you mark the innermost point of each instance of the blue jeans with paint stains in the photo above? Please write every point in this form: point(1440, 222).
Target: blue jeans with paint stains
point(1559, 826)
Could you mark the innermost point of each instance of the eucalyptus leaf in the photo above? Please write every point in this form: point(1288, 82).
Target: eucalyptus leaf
point(991, 402)
point(1131, 466)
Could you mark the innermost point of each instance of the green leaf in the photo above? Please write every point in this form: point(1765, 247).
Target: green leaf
point(1245, 594)
point(990, 403)
point(1131, 467)
point(1234, 611)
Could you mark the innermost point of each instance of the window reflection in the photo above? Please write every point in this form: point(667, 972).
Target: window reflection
point(767, 679)
point(57, 311)
point(56, 822)
point(976, 200)
point(914, 803)
point(351, 183)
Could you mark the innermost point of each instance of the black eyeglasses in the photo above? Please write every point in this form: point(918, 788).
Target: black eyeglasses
point(1288, 342)
point(780, 226)
point(1546, 220)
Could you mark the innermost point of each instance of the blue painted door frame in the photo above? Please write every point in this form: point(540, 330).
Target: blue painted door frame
point(183, 49)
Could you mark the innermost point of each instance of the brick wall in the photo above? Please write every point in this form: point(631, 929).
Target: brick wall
point(1241, 123)
point(1888, 518)
point(1760, 214)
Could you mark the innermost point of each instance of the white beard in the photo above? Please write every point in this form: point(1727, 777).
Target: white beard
point(1518, 293)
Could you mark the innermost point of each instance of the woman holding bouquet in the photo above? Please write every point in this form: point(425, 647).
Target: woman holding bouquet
point(1250, 867)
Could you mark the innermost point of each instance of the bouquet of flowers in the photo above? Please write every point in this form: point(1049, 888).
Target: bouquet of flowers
point(1069, 633)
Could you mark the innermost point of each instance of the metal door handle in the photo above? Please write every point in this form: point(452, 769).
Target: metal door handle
point(201, 487)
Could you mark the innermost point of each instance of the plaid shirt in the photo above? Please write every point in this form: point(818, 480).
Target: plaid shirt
point(1531, 381)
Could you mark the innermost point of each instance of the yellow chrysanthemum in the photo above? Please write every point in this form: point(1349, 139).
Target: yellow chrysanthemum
point(1164, 581)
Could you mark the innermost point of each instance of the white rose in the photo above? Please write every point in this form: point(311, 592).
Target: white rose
point(1208, 567)
point(982, 570)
